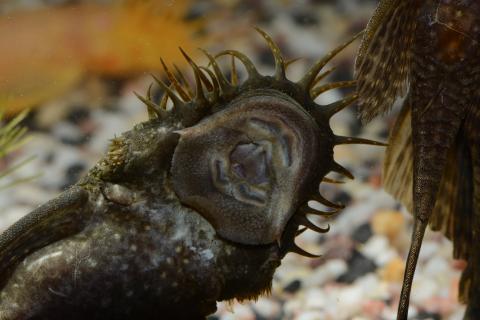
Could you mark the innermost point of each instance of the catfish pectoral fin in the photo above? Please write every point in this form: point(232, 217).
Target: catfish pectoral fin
point(432, 139)
point(417, 238)
point(397, 172)
point(48, 223)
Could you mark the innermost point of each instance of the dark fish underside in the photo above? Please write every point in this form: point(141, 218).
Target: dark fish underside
point(457, 197)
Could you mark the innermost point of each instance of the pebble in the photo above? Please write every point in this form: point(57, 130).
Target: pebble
point(349, 301)
point(358, 265)
point(310, 315)
point(423, 288)
point(315, 299)
point(12, 214)
point(372, 309)
point(372, 287)
point(375, 247)
point(267, 308)
point(293, 286)
point(77, 115)
point(73, 173)
point(388, 223)
point(304, 18)
point(393, 271)
point(343, 197)
point(338, 247)
point(329, 271)
point(292, 307)
point(236, 311)
point(439, 305)
point(436, 267)
point(428, 316)
point(362, 233)
point(429, 250)
point(69, 134)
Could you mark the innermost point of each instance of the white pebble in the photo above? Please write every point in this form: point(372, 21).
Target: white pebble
point(327, 272)
point(310, 315)
point(267, 308)
point(423, 288)
point(315, 299)
point(375, 247)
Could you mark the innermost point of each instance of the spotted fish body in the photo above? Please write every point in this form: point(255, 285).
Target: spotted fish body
point(432, 163)
point(197, 205)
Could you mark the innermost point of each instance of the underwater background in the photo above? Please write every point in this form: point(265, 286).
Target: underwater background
point(76, 64)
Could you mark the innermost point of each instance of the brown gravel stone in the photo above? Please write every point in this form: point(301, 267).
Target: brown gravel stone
point(388, 223)
point(393, 271)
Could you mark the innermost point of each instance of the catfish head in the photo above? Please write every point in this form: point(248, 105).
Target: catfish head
point(196, 205)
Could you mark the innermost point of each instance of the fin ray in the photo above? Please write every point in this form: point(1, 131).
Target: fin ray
point(383, 60)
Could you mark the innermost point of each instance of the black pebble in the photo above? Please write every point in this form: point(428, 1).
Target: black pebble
point(197, 10)
point(293, 286)
point(362, 233)
point(343, 198)
point(370, 163)
point(427, 316)
point(49, 157)
point(259, 316)
point(358, 265)
point(384, 133)
point(265, 57)
point(73, 174)
point(343, 72)
point(325, 2)
point(62, 2)
point(30, 121)
point(304, 18)
point(76, 141)
point(78, 114)
point(355, 126)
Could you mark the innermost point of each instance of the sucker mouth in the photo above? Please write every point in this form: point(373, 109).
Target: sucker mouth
point(250, 162)
point(279, 135)
point(238, 188)
point(249, 172)
point(252, 155)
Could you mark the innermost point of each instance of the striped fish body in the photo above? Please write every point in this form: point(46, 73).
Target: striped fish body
point(444, 85)
point(431, 50)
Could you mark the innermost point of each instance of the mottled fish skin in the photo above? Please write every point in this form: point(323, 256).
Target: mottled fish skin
point(167, 223)
point(383, 62)
point(139, 253)
point(442, 107)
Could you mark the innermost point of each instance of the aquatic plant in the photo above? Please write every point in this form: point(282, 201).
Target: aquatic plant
point(12, 137)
